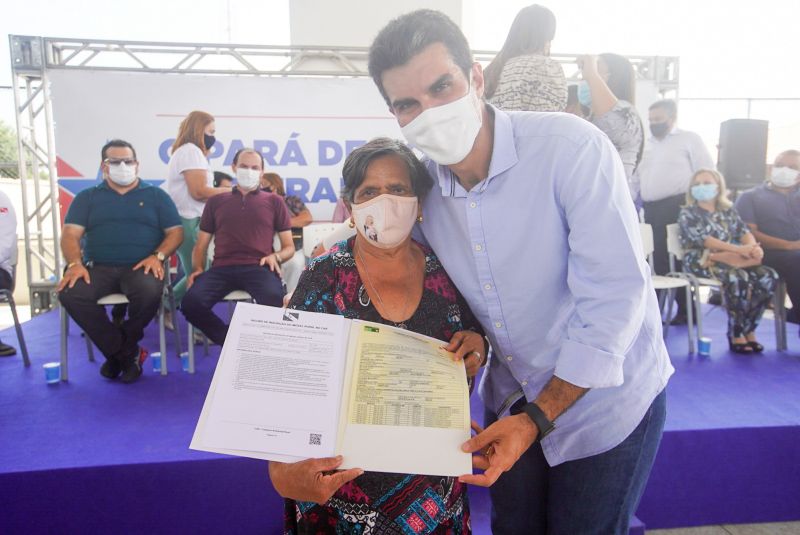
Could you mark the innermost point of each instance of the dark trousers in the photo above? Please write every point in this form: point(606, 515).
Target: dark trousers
point(5, 282)
point(144, 293)
point(787, 264)
point(210, 287)
point(659, 214)
point(597, 494)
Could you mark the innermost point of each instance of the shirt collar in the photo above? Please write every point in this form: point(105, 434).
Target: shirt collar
point(236, 190)
point(104, 185)
point(504, 156)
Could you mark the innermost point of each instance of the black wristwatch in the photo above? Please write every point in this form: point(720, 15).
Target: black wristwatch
point(539, 419)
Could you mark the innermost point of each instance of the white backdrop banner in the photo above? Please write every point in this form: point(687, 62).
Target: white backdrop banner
point(304, 127)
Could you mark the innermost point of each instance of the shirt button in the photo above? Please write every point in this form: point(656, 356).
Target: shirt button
point(524, 383)
point(498, 324)
point(509, 357)
point(487, 286)
point(473, 204)
point(478, 247)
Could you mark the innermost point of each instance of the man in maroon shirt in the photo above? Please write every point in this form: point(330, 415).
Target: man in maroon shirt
point(243, 224)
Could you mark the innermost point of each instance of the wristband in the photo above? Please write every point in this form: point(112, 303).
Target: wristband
point(539, 419)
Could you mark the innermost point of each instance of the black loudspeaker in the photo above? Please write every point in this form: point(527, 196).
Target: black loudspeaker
point(743, 152)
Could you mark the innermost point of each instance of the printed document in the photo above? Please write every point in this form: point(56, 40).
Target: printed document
point(292, 385)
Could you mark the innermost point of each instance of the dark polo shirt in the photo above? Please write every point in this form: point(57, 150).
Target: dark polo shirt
point(243, 225)
point(772, 212)
point(121, 230)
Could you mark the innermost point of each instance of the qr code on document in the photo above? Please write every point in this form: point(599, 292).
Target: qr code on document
point(315, 439)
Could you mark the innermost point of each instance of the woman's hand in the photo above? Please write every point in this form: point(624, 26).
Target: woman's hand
point(588, 66)
point(312, 480)
point(747, 250)
point(469, 347)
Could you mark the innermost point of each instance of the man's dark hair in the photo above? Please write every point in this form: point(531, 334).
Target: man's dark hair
point(219, 176)
point(408, 35)
point(357, 162)
point(247, 149)
point(668, 105)
point(120, 143)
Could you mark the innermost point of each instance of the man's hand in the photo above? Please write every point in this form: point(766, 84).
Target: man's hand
point(310, 480)
point(469, 347)
point(500, 446)
point(192, 276)
point(71, 276)
point(272, 262)
point(153, 265)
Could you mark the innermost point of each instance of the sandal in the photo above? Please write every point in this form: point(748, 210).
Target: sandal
point(756, 347)
point(743, 349)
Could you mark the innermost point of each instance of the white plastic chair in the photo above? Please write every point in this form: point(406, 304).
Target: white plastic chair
point(231, 299)
point(675, 251)
point(314, 233)
point(121, 299)
point(670, 283)
point(7, 296)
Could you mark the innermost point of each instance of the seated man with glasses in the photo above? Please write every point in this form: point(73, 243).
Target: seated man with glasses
point(129, 228)
point(243, 223)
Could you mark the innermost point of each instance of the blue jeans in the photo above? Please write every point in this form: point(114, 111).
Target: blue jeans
point(597, 494)
point(210, 287)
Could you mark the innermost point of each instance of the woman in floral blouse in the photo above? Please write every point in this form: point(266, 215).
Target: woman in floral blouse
point(718, 245)
point(394, 280)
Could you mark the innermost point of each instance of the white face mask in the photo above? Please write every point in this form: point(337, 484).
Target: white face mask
point(386, 220)
point(247, 178)
point(121, 174)
point(784, 177)
point(446, 133)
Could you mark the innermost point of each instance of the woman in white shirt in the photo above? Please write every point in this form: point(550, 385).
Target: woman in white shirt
point(190, 182)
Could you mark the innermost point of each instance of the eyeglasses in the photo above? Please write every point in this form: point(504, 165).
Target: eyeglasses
point(117, 161)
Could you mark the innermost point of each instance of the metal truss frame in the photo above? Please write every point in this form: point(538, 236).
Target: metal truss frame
point(32, 57)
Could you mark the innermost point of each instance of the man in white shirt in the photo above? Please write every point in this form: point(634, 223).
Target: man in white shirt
point(671, 158)
point(8, 244)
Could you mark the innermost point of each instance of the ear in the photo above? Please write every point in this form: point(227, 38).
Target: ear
point(477, 78)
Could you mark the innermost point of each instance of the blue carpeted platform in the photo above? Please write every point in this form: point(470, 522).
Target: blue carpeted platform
point(96, 456)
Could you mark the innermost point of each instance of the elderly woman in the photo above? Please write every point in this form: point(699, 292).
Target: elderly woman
point(608, 94)
point(395, 281)
point(718, 245)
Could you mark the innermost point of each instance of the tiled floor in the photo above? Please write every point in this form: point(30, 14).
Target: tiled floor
point(782, 528)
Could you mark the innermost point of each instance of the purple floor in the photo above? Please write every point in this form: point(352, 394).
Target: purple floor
point(95, 456)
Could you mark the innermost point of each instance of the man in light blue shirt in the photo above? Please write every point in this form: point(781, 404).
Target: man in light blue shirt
point(533, 221)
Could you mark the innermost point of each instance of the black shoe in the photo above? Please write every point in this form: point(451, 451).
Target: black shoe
point(756, 347)
point(7, 350)
point(679, 319)
point(743, 349)
point(132, 368)
point(110, 369)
